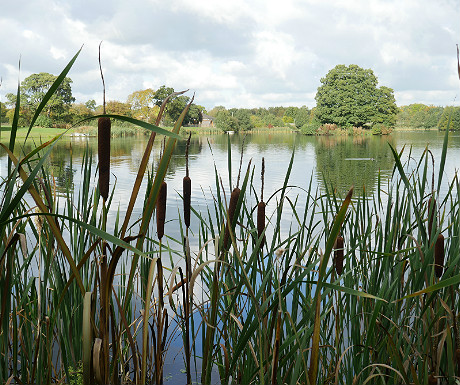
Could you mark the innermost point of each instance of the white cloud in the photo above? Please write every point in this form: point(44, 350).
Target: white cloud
point(236, 53)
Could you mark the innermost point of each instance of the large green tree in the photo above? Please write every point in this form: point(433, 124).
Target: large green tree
point(349, 96)
point(34, 88)
point(176, 105)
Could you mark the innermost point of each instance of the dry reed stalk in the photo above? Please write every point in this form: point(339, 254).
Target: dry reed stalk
point(338, 255)
point(439, 256)
point(161, 210)
point(231, 212)
point(103, 150)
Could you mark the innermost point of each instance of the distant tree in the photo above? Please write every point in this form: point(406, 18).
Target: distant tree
point(450, 118)
point(33, 90)
point(243, 118)
point(91, 104)
point(25, 116)
point(277, 111)
point(302, 117)
point(116, 107)
point(80, 111)
point(226, 122)
point(144, 105)
point(289, 114)
point(215, 110)
point(3, 111)
point(385, 107)
point(419, 116)
point(195, 114)
point(161, 94)
point(348, 96)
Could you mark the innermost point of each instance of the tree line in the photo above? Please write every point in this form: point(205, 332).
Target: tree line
point(348, 96)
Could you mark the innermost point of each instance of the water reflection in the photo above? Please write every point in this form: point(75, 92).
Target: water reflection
point(339, 161)
point(343, 162)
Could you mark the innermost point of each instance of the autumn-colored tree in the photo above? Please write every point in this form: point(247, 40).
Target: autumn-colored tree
point(143, 105)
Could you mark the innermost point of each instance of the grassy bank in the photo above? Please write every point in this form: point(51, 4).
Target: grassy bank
point(36, 133)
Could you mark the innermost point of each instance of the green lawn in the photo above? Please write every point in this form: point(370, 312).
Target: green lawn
point(37, 132)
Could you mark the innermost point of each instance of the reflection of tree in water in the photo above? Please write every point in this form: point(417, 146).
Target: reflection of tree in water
point(178, 155)
point(261, 142)
point(124, 153)
point(343, 162)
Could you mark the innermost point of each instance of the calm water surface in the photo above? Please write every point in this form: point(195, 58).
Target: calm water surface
point(338, 161)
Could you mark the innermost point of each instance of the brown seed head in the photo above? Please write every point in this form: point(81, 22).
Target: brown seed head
point(187, 190)
point(231, 212)
point(103, 153)
point(431, 214)
point(338, 255)
point(439, 256)
point(261, 220)
point(432, 379)
point(161, 210)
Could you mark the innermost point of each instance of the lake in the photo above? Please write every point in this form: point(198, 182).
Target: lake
point(337, 161)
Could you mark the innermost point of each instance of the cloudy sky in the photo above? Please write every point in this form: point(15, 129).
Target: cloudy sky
point(236, 53)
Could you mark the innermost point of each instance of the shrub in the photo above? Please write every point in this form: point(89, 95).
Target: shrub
point(308, 129)
point(327, 129)
point(380, 129)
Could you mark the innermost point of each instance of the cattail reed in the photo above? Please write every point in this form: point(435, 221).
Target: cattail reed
point(439, 256)
point(103, 149)
point(431, 215)
point(338, 255)
point(161, 210)
point(261, 207)
point(231, 212)
point(261, 220)
point(187, 187)
point(103, 144)
point(432, 380)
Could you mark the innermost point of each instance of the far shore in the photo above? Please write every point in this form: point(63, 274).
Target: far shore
point(46, 133)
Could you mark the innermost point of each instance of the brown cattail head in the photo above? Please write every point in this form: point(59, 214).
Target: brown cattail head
point(338, 255)
point(261, 220)
point(439, 256)
point(161, 210)
point(187, 190)
point(103, 153)
point(457, 357)
point(431, 215)
point(231, 212)
point(432, 379)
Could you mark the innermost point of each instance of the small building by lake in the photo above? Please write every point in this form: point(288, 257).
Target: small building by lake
point(207, 121)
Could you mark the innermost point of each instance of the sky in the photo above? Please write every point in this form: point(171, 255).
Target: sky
point(238, 53)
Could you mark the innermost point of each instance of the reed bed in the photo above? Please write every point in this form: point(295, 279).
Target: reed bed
point(357, 290)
